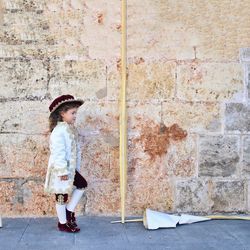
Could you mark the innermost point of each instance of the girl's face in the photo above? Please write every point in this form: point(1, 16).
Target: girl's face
point(69, 116)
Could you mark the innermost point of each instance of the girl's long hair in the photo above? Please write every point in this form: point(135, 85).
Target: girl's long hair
point(55, 117)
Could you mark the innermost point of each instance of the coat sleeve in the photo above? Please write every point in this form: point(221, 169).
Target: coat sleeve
point(58, 150)
point(78, 154)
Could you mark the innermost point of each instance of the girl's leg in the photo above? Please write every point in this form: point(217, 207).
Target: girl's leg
point(75, 198)
point(61, 200)
point(63, 224)
point(80, 184)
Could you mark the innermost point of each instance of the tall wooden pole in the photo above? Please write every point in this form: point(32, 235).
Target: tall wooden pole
point(123, 113)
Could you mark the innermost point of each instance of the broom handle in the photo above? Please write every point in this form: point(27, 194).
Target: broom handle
point(123, 115)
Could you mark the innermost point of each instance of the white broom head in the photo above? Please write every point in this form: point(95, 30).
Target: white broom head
point(154, 220)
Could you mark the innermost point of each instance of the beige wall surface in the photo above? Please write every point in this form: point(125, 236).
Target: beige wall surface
point(187, 98)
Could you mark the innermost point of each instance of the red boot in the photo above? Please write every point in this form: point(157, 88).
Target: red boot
point(71, 218)
point(67, 227)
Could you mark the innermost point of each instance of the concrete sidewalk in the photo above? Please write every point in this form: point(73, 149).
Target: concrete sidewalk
point(99, 233)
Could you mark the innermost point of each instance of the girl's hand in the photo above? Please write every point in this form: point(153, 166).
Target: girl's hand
point(64, 177)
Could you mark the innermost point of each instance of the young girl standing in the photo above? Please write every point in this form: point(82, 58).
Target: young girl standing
point(65, 161)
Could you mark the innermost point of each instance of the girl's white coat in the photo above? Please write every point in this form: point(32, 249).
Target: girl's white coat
point(64, 159)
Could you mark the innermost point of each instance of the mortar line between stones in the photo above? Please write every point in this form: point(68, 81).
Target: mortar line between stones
point(246, 191)
point(223, 110)
point(245, 82)
point(174, 183)
point(191, 133)
point(175, 86)
point(241, 157)
point(24, 99)
point(21, 178)
point(161, 114)
point(195, 52)
point(190, 60)
point(48, 75)
point(109, 152)
point(247, 194)
point(244, 66)
point(106, 81)
point(197, 156)
point(21, 133)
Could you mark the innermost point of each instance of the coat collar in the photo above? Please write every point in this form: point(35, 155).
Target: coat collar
point(70, 128)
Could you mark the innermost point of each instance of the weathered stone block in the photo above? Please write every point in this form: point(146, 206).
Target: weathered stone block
point(193, 116)
point(96, 162)
point(155, 148)
point(24, 28)
point(152, 156)
point(7, 194)
point(29, 117)
point(229, 196)
point(147, 81)
point(66, 26)
point(114, 163)
point(84, 79)
point(73, 52)
point(142, 113)
point(246, 157)
point(36, 202)
point(218, 156)
point(113, 81)
point(192, 196)
point(100, 117)
point(27, 51)
point(154, 193)
point(98, 124)
point(181, 158)
point(102, 29)
point(209, 81)
point(23, 155)
point(193, 29)
point(25, 197)
point(92, 25)
point(103, 198)
point(57, 6)
point(29, 6)
point(237, 117)
point(23, 78)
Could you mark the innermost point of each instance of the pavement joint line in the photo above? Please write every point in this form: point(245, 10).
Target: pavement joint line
point(24, 231)
point(125, 232)
point(74, 243)
point(235, 238)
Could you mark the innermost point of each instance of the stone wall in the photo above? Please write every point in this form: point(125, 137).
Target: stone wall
point(187, 98)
